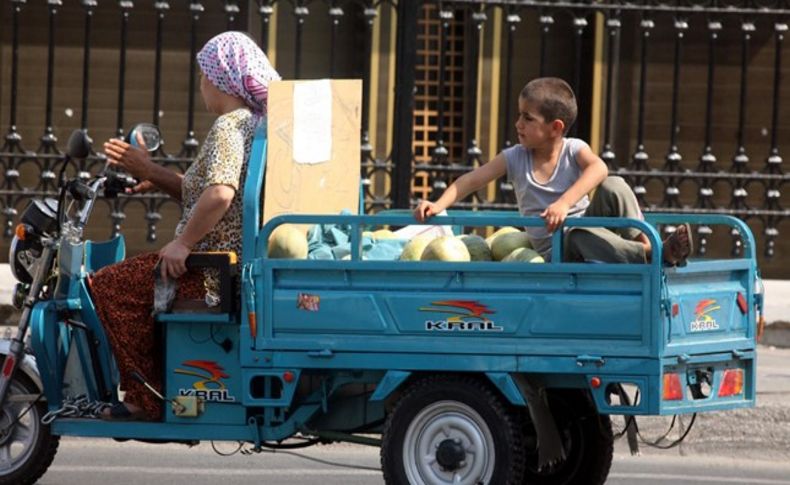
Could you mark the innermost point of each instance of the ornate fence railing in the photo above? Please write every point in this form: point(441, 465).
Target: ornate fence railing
point(747, 182)
point(683, 96)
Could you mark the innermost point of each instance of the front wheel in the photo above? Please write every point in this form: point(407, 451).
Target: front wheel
point(27, 447)
point(451, 429)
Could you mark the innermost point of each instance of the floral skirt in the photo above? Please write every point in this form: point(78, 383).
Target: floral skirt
point(124, 296)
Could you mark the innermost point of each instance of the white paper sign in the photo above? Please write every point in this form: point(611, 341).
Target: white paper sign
point(312, 136)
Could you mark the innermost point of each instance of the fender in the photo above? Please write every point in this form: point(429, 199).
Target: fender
point(27, 364)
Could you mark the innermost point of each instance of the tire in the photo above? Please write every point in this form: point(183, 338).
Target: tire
point(446, 416)
point(27, 452)
point(587, 439)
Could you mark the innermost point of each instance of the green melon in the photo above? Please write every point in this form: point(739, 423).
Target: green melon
point(523, 255)
point(287, 242)
point(498, 232)
point(505, 244)
point(477, 247)
point(446, 248)
point(413, 249)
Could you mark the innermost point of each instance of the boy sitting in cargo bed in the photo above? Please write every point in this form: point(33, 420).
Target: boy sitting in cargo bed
point(552, 175)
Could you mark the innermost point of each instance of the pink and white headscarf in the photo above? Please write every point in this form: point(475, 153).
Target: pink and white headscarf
point(237, 66)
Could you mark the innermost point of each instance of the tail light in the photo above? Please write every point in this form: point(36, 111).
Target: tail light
point(8, 366)
point(731, 383)
point(673, 390)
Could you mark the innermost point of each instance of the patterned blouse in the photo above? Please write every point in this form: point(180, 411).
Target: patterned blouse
point(222, 160)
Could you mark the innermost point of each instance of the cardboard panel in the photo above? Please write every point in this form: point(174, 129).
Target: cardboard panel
point(326, 187)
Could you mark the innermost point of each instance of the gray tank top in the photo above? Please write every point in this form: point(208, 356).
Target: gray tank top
point(533, 197)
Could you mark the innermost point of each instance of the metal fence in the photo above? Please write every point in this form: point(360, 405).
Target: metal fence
point(644, 47)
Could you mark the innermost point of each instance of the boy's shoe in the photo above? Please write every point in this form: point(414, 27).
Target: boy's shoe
point(678, 246)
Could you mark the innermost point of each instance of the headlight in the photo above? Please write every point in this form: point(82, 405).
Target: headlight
point(38, 219)
point(22, 257)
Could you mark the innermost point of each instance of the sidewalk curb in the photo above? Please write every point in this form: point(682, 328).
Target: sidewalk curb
point(777, 334)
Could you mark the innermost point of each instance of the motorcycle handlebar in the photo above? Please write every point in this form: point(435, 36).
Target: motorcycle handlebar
point(80, 191)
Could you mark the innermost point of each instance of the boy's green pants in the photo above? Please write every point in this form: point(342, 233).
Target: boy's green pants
point(613, 198)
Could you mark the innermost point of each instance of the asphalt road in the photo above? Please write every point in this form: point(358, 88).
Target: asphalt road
point(93, 462)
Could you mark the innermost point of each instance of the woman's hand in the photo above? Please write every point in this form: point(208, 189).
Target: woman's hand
point(172, 259)
point(143, 187)
point(555, 215)
point(134, 160)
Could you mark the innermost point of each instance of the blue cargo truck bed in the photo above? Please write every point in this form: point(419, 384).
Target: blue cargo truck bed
point(574, 324)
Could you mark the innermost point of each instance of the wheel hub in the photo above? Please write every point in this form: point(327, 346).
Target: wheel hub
point(448, 443)
point(450, 454)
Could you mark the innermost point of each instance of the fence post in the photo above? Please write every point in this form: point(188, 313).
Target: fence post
point(404, 102)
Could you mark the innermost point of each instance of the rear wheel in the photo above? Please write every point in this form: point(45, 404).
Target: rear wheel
point(451, 430)
point(586, 437)
point(27, 447)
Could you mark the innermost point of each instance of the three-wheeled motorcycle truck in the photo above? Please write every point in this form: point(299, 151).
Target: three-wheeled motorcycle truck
point(463, 373)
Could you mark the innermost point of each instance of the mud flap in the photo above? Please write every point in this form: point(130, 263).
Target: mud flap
point(550, 449)
point(630, 423)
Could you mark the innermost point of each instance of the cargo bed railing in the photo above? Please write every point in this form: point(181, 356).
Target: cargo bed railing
point(360, 223)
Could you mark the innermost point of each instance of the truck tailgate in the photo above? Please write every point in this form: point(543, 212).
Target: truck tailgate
point(707, 306)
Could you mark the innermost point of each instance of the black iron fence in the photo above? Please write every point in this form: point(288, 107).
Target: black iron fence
point(723, 162)
point(683, 98)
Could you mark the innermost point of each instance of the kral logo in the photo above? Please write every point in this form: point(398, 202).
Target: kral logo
point(703, 321)
point(465, 316)
point(210, 387)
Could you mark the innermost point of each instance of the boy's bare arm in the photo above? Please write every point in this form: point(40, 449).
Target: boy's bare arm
point(594, 171)
point(463, 186)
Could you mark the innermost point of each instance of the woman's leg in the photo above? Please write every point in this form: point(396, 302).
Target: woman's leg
point(123, 295)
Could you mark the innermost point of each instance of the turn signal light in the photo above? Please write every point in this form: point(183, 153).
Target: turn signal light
point(20, 231)
point(731, 383)
point(673, 391)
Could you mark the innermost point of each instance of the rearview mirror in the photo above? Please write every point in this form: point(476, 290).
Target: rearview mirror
point(150, 134)
point(79, 144)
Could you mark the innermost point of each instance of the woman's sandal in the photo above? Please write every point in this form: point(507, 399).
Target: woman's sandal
point(678, 246)
point(121, 412)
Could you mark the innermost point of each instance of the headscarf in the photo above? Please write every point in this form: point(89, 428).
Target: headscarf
point(237, 66)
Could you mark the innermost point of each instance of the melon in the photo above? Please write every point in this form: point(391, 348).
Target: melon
point(523, 255)
point(477, 247)
point(500, 231)
point(413, 249)
point(287, 242)
point(505, 244)
point(446, 248)
point(383, 234)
